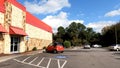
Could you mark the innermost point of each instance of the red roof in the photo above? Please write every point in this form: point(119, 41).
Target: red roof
point(2, 7)
point(17, 31)
point(17, 4)
point(14, 2)
point(30, 19)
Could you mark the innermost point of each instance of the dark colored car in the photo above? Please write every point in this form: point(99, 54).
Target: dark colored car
point(55, 48)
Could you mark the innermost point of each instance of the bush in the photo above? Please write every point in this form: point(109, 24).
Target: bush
point(44, 47)
point(34, 49)
point(67, 44)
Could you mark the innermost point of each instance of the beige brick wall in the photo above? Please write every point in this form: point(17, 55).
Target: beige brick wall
point(1, 18)
point(6, 47)
point(1, 36)
point(18, 20)
point(38, 33)
point(1, 43)
point(7, 21)
point(22, 47)
point(38, 43)
point(17, 17)
point(37, 37)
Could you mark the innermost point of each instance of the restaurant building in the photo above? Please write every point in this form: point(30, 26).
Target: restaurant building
point(20, 31)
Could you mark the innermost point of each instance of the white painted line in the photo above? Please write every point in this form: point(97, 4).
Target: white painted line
point(26, 59)
point(33, 60)
point(48, 63)
point(58, 63)
point(38, 65)
point(41, 61)
point(65, 61)
point(64, 64)
point(29, 64)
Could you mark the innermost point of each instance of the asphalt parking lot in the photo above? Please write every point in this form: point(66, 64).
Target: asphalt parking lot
point(71, 58)
point(42, 62)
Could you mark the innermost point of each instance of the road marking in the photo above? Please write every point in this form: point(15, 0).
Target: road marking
point(41, 61)
point(48, 63)
point(29, 64)
point(58, 63)
point(38, 64)
point(33, 60)
point(64, 64)
point(26, 59)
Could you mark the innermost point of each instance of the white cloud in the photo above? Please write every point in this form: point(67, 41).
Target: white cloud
point(59, 20)
point(97, 26)
point(77, 21)
point(113, 13)
point(46, 6)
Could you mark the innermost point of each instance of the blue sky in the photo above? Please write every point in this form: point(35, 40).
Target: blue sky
point(92, 13)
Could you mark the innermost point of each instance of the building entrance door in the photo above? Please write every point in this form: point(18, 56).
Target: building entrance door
point(15, 42)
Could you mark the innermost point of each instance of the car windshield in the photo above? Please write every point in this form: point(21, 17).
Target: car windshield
point(87, 45)
point(55, 43)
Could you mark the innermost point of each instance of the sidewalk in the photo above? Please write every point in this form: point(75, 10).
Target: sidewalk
point(11, 56)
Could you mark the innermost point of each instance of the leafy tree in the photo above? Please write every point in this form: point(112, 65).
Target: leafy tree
point(67, 44)
point(77, 34)
point(111, 35)
point(61, 30)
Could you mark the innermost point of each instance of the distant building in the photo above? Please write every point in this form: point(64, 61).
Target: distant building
point(20, 31)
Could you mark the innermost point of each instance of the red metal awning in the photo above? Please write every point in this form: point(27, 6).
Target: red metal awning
point(17, 31)
point(2, 29)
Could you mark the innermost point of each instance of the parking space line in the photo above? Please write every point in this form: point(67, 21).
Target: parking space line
point(58, 60)
point(40, 61)
point(26, 59)
point(48, 63)
point(64, 64)
point(33, 60)
point(58, 63)
point(29, 64)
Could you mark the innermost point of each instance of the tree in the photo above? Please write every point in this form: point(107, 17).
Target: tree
point(67, 44)
point(61, 30)
point(77, 34)
point(59, 37)
point(111, 35)
point(73, 30)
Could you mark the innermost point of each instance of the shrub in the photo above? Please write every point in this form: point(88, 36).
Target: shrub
point(34, 49)
point(44, 47)
point(67, 44)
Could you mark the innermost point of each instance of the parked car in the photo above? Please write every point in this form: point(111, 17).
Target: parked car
point(114, 47)
point(55, 48)
point(96, 46)
point(86, 46)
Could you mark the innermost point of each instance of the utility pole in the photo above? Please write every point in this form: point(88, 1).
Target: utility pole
point(116, 33)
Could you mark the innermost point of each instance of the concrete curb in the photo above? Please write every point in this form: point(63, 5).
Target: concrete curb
point(5, 58)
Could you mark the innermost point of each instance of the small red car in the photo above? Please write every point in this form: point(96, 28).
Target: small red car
point(55, 48)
